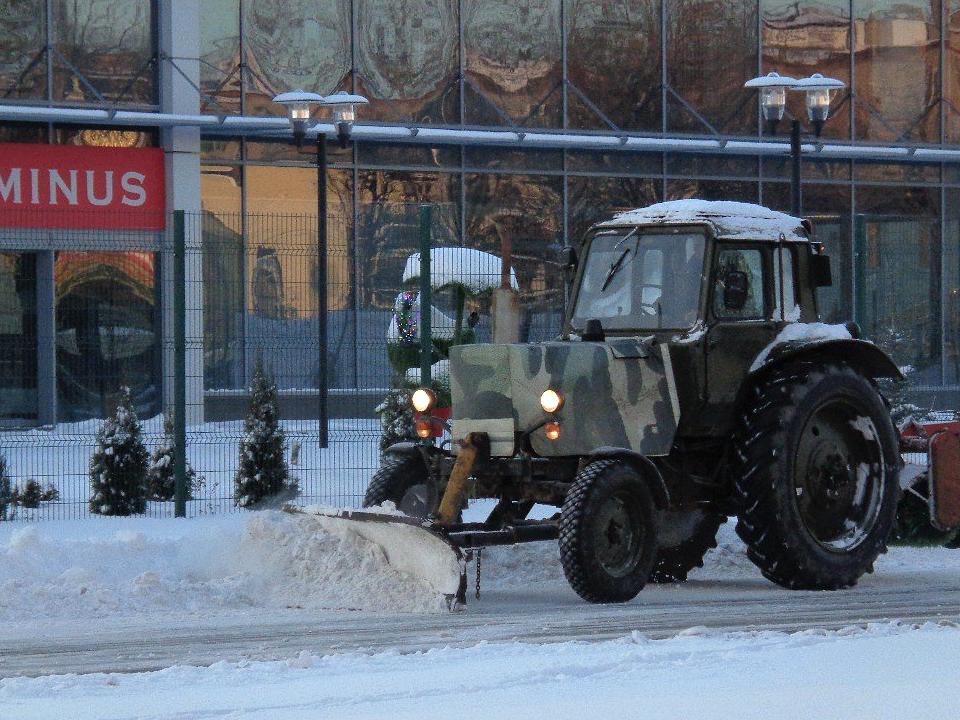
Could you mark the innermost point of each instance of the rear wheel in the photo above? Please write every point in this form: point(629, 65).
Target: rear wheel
point(685, 537)
point(816, 474)
point(608, 532)
point(404, 481)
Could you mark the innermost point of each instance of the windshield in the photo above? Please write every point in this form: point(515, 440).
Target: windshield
point(641, 280)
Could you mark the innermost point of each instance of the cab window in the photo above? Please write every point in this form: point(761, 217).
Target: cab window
point(749, 262)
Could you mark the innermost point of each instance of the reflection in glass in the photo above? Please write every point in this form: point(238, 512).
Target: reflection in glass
point(407, 60)
point(897, 68)
point(107, 332)
point(294, 44)
point(711, 51)
point(23, 68)
point(951, 288)
point(110, 42)
point(220, 55)
point(520, 217)
point(898, 264)
point(594, 199)
point(613, 57)
point(951, 83)
point(18, 336)
point(512, 54)
point(801, 37)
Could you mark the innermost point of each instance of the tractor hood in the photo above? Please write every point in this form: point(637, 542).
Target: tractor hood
point(618, 393)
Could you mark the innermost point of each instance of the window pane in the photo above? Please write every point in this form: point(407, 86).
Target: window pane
point(23, 70)
point(522, 214)
point(18, 336)
point(613, 57)
point(107, 332)
point(222, 277)
point(951, 289)
point(897, 68)
point(749, 262)
point(408, 60)
point(594, 199)
point(512, 56)
point(711, 52)
point(220, 55)
point(740, 190)
point(802, 37)
point(897, 245)
point(110, 43)
point(951, 84)
point(784, 258)
point(294, 44)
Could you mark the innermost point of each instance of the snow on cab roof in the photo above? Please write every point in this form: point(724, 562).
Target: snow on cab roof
point(730, 220)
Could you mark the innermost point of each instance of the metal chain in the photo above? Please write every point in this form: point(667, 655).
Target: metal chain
point(479, 553)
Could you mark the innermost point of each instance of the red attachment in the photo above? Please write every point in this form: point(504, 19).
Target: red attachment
point(945, 478)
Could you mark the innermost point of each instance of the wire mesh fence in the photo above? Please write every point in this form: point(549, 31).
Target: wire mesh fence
point(90, 318)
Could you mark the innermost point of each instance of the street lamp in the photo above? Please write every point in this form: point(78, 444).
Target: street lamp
point(773, 102)
point(300, 105)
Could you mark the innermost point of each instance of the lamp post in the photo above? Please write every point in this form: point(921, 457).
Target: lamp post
point(773, 102)
point(300, 106)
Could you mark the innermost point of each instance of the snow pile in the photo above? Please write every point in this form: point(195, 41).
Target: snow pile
point(731, 220)
point(251, 560)
point(881, 671)
point(476, 270)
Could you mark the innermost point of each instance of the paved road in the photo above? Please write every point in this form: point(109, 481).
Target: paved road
point(543, 612)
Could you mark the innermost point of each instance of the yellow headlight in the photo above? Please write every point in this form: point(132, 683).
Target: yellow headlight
point(423, 399)
point(552, 430)
point(551, 401)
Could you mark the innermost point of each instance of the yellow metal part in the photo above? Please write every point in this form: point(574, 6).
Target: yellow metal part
point(459, 483)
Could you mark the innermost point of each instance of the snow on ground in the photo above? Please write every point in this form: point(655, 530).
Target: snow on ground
point(883, 671)
point(244, 561)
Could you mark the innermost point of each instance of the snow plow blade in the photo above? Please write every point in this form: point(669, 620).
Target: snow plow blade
point(411, 545)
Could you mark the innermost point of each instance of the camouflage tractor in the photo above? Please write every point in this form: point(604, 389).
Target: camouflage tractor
point(692, 382)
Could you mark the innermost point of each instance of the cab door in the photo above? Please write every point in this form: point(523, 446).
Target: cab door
point(741, 324)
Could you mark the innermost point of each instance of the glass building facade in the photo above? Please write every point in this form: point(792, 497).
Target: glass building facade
point(660, 67)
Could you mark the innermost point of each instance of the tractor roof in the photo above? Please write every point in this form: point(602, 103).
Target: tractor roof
point(730, 220)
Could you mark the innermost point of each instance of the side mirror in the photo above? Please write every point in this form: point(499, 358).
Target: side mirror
point(820, 271)
point(568, 258)
point(736, 288)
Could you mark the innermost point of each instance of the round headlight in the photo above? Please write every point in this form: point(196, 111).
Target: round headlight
point(423, 399)
point(551, 401)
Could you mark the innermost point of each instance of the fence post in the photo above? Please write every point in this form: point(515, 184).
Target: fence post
point(179, 365)
point(426, 341)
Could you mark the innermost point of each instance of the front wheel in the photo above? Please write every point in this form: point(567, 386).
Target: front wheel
point(608, 532)
point(404, 481)
point(816, 473)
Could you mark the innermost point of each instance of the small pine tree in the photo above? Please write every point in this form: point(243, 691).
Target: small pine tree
point(396, 418)
point(30, 495)
point(160, 480)
point(6, 489)
point(262, 472)
point(118, 468)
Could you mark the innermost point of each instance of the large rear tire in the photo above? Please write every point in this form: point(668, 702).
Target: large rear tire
point(404, 481)
point(816, 472)
point(685, 537)
point(608, 533)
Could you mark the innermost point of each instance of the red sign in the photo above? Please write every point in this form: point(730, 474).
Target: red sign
point(65, 186)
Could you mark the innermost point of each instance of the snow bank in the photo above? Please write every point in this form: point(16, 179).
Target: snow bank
point(271, 559)
point(476, 270)
point(882, 671)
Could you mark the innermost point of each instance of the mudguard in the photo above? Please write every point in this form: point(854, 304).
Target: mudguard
point(643, 465)
point(863, 355)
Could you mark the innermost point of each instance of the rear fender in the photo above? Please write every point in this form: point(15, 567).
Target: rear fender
point(643, 465)
point(862, 355)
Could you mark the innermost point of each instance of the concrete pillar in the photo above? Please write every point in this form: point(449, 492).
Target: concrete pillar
point(179, 39)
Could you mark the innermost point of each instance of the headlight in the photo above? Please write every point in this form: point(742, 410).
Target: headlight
point(552, 430)
point(551, 401)
point(423, 399)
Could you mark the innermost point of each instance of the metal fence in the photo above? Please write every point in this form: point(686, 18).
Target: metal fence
point(183, 317)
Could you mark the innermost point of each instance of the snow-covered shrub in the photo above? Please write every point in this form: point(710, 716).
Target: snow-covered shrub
point(6, 490)
point(160, 479)
point(118, 468)
point(262, 471)
point(396, 418)
point(30, 495)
